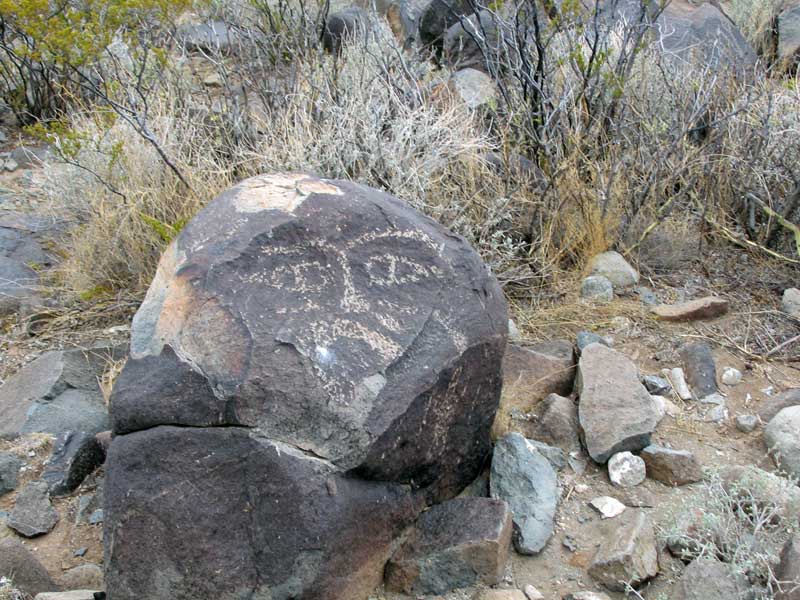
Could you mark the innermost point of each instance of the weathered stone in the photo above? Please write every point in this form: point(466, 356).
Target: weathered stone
point(584, 338)
point(474, 88)
point(693, 310)
point(788, 570)
point(28, 574)
point(75, 455)
point(456, 544)
point(71, 595)
point(18, 285)
point(672, 467)
point(272, 520)
point(731, 376)
point(607, 506)
point(789, 54)
point(83, 577)
point(746, 423)
point(614, 267)
point(558, 423)
point(772, 406)
point(615, 412)
point(214, 37)
point(587, 596)
point(9, 469)
point(598, 288)
point(531, 593)
point(782, 436)
point(530, 374)
point(709, 579)
point(656, 385)
point(500, 595)
point(700, 369)
point(438, 17)
point(473, 41)
point(626, 469)
point(678, 381)
point(33, 514)
point(524, 478)
point(627, 552)
point(30, 157)
point(57, 392)
point(20, 245)
point(344, 26)
point(555, 456)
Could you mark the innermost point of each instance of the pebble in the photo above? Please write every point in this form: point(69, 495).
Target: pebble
point(746, 423)
point(678, 380)
point(731, 376)
point(656, 385)
point(607, 506)
point(531, 593)
point(626, 469)
point(80, 552)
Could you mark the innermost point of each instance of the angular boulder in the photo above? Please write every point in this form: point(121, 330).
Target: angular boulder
point(614, 267)
point(772, 406)
point(788, 570)
point(33, 514)
point(336, 355)
point(782, 436)
point(710, 307)
point(627, 553)
point(710, 579)
point(456, 544)
point(671, 467)
point(25, 570)
point(18, 285)
point(700, 369)
point(75, 455)
point(615, 411)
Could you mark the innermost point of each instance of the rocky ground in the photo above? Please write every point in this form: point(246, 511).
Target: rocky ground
point(600, 516)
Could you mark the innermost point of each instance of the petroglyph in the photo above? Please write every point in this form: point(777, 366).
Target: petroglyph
point(281, 191)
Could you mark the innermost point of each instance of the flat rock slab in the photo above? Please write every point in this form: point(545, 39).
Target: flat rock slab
point(18, 285)
point(531, 373)
point(709, 579)
point(273, 521)
point(33, 514)
point(694, 310)
point(75, 455)
point(782, 436)
point(526, 480)
point(627, 552)
point(699, 368)
point(672, 467)
point(28, 574)
point(615, 411)
point(456, 544)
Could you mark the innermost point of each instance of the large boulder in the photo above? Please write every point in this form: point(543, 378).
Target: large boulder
point(24, 569)
point(336, 355)
point(615, 411)
point(789, 36)
point(782, 436)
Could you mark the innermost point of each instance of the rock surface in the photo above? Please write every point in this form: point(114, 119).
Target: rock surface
point(607, 506)
point(693, 310)
point(788, 570)
point(598, 288)
point(772, 406)
point(626, 469)
point(615, 411)
point(672, 467)
point(83, 577)
point(706, 579)
point(456, 544)
point(75, 455)
point(782, 436)
point(28, 574)
point(558, 423)
point(627, 554)
point(9, 469)
point(18, 285)
point(524, 479)
point(33, 514)
point(789, 54)
point(699, 368)
point(336, 354)
point(614, 267)
point(343, 26)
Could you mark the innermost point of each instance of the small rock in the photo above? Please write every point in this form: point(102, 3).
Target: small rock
point(700, 370)
point(694, 310)
point(782, 436)
point(731, 376)
point(587, 596)
point(569, 543)
point(647, 296)
point(10, 165)
point(531, 593)
point(672, 467)
point(626, 469)
point(474, 88)
point(73, 595)
point(746, 423)
point(555, 456)
point(607, 506)
point(584, 338)
point(456, 544)
point(615, 412)
point(33, 514)
point(96, 517)
point(344, 26)
point(213, 80)
point(776, 404)
point(659, 405)
point(500, 595)
point(75, 455)
point(678, 381)
point(83, 577)
point(656, 385)
point(29, 575)
point(524, 478)
point(709, 579)
point(80, 552)
point(9, 468)
point(513, 331)
point(597, 287)
point(627, 553)
point(791, 302)
point(717, 414)
point(558, 423)
point(614, 267)
point(788, 569)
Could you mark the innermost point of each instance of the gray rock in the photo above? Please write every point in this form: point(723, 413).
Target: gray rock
point(96, 517)
point(788, 570)
point(788, 53)
point(33, 514)
point(626, 469)
point(524, 479)
point(9, 469)
point(18, 285)
point(731, 376)
point(214, 37)
point(473, 41)
point(607, 506)
point(584, 338)
point(75, 455)
point(710, 579)
point(83, 577)
point(587, 596)
point(614, 267)
point(456, 544)
point(747, 423)
point(28, 574)
point(627, 552)
point(56, 393)
point(672, 467)
point(598, 288)
point(555, 456)
point(474, 88)
point(437, 17)
point(88, 504)
point(21, 246)
point(657, 385)
point(615, 412)
point(772, 406)
point(782, 436)
point(699, 368)
point(344, 26)
point(71, 595)
point(491, 594)
point(558, 423)
point(647, 296)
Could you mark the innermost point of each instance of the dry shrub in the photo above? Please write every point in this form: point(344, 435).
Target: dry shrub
point(756, 21)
